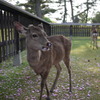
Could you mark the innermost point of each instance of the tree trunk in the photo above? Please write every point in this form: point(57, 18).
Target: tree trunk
point(72, 12)
point(87, 11)
point(38, 8)
point(65, 12)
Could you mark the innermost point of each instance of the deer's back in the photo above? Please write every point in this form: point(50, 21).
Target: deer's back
point(61, 47)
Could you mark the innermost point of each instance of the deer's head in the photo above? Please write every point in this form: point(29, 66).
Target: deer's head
point(36, 37)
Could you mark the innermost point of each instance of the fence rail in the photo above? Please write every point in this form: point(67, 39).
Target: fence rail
point(10, 41)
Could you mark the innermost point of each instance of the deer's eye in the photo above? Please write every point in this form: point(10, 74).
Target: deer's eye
point(34, 35)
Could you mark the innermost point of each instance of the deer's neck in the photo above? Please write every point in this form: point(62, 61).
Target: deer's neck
point(33, 57)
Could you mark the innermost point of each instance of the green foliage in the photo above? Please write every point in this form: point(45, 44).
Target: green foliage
point(76, 19)
point(96, 19)
point(21, 83)
point(47, 19)
point(82, 9)
point(30, 6)
point(82, 18)
point(48, 10)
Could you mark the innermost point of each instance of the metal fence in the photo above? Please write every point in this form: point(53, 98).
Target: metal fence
point(10, 41)
point(74, 29)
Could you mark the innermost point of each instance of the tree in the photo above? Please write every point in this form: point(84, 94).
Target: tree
point(96, 19)
point(65, 9)
point(72, 10)
point(83, 13)
point(38, 7)
point(65, 12)
point(79, 13)
point(87, 5)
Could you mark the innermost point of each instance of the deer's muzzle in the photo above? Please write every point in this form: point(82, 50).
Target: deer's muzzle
point(47, 47)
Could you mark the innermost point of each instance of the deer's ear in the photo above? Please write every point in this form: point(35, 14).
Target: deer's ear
point(41, 26)
point(20, 28)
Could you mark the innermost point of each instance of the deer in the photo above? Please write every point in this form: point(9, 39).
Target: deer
point(94, 37)
point(45, 51)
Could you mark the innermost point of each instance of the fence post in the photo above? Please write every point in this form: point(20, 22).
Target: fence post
point(71, 32)
point(17, 57)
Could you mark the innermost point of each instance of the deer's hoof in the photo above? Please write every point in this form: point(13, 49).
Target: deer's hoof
point(48, 98)
point(70, 91)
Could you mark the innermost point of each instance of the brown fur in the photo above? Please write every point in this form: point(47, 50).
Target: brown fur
point(94, 37)
point(42, 61)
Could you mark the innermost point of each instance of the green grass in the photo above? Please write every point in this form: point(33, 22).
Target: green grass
point(21, 83)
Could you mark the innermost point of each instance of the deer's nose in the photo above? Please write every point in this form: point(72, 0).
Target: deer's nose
point(49, 44)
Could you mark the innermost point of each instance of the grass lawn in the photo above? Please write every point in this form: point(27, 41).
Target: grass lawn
point(21, 83)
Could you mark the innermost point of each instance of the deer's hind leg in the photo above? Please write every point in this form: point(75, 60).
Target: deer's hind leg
point(58, 67)
point(91, 42)
point(67, 63)
point(96, 44)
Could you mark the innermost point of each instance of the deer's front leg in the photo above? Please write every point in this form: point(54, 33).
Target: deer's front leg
point(42, 86)
point(48, 93)
point(43, 83)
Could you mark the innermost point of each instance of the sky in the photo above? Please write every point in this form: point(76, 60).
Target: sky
point(57, 14)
